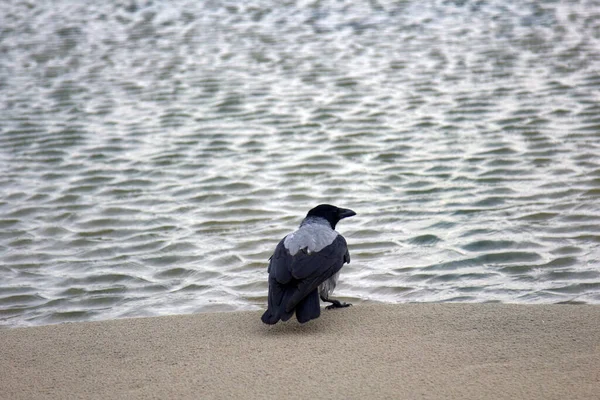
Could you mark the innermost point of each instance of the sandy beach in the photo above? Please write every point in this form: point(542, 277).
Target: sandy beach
point(428, 351)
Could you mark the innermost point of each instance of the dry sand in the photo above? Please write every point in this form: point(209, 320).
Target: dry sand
point(414, 351)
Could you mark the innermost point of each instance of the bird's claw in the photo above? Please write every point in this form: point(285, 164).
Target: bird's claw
point(337, 304)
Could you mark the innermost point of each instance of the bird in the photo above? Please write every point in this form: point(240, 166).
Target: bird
point(305, 267)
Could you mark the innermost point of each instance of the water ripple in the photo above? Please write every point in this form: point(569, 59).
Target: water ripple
point(154, 153)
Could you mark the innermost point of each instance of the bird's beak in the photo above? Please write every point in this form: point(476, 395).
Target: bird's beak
point(345, 213)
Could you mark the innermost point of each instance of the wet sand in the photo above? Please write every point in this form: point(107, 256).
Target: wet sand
point(428, 351)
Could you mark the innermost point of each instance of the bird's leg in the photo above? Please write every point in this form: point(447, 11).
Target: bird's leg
point(334, 303)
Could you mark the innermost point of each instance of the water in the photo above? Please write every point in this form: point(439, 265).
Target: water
point(154, 153)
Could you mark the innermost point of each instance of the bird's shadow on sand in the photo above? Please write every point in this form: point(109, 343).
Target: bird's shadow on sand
point(325, 324)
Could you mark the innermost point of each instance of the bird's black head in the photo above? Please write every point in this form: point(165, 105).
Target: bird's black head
point(331, 213)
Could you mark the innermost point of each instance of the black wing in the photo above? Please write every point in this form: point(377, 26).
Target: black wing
point(293, 278)
point(312, 269)
point(280, 280)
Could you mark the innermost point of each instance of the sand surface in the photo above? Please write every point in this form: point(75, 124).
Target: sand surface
point(414, 351)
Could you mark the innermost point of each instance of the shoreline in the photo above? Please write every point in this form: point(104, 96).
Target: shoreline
point(400, 351)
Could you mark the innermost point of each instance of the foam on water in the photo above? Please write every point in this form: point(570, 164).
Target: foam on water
point(154, 153)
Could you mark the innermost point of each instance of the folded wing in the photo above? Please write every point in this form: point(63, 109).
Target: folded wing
point(293, 280)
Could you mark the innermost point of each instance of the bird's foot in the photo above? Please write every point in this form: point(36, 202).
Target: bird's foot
point(336, 304)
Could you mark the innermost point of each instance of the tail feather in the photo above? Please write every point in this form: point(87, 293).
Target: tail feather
point(279, 295)
point(309, 307)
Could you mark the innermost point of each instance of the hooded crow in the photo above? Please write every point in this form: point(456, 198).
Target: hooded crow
point(306, 265)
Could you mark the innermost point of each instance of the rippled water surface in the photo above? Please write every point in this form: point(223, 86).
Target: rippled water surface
point(153, 153)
